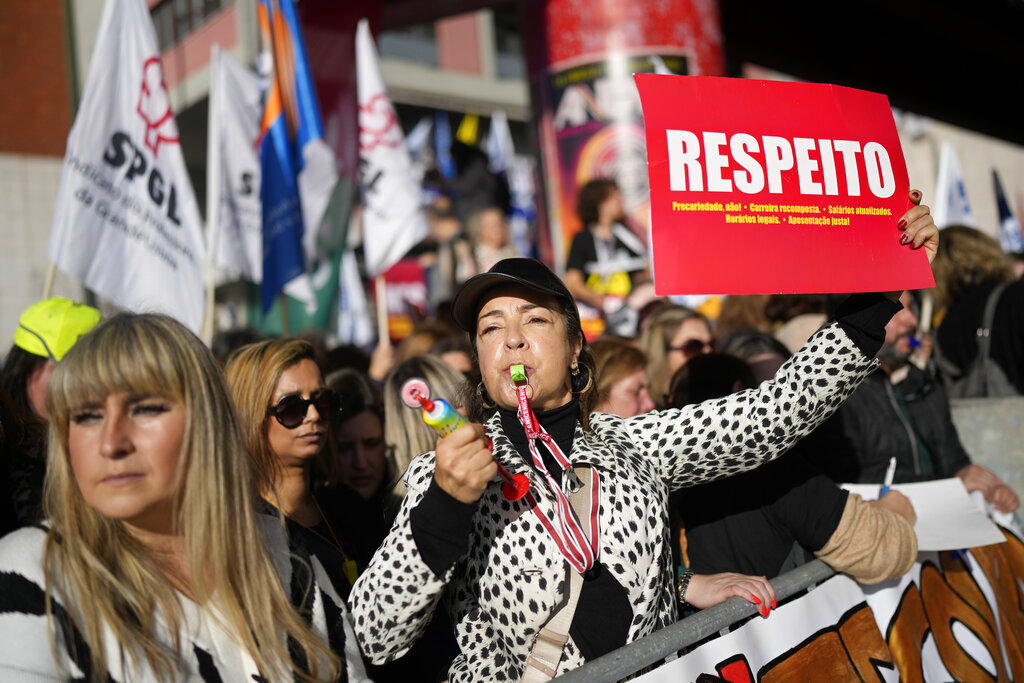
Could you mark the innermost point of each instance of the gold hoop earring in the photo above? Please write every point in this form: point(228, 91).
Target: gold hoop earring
point(482, 397)
point(590, 379)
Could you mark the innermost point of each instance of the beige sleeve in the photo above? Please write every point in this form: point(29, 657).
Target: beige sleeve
point(871, 543)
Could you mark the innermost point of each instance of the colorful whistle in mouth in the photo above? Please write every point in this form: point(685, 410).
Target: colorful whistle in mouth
point(518, 373)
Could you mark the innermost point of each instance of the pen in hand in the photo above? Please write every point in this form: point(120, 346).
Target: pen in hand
point(890, 472)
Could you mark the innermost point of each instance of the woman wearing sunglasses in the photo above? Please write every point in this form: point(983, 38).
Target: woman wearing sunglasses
point(286, 413)
point(674, 335)
point(154, 563)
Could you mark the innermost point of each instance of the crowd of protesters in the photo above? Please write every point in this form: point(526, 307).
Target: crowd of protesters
point(277, 511)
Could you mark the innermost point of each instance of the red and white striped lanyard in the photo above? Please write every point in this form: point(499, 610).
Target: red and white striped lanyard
point(568, 534)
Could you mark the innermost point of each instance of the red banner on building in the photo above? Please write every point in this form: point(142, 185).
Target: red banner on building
point(773, 187)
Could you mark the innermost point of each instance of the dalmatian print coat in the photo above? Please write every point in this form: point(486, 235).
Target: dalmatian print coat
point(504, 590)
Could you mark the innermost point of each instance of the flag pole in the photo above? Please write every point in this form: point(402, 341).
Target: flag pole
point(282, 300)
point(380, 291)
point(51, 273)
point(213, 177)
point(924, 323)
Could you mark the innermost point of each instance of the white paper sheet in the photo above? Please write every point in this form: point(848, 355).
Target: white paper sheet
point(947, 518)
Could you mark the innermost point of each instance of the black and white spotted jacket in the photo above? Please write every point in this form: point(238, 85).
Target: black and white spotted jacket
point(513, 577)
point(208, 653)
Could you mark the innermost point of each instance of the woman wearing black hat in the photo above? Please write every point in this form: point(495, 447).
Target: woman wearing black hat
point(580, 565)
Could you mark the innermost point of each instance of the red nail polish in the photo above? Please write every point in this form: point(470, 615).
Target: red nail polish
point(755, 598)
point(904, 238)
point(773, 603)
point(902, 224)
point(764, 612)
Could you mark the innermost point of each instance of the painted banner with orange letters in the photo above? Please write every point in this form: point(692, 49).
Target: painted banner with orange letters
point(954, 616)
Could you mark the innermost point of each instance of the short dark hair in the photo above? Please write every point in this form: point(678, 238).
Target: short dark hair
point(747, 344)
point(709, 376)
point(586, 392)
point(19, 366)
point(358, 393)
point(590, 197)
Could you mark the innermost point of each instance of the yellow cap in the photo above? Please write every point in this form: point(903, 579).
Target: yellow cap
point(51, 327)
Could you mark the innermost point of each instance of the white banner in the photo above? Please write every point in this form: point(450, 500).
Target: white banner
point(235, 111)
point(393, 221)
point(126, 221)
point(954, 616)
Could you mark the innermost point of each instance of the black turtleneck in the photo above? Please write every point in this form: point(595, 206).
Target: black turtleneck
point(560, 423)
point(441, 527)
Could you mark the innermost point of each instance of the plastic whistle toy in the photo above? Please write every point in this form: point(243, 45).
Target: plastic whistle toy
point(444, 419)
point(518, 373)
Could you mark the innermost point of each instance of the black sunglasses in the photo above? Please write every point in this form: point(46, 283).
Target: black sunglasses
point(291, 410)
point(691, 347)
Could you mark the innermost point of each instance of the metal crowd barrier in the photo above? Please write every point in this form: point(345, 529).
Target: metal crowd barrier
point(654, 648)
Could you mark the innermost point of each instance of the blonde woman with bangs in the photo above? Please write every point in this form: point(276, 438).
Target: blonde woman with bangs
point(154, 563)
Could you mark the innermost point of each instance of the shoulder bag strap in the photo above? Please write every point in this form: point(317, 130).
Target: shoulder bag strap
point(978, 377)
point(985, 331)
point(542, 663)
point(977, 373)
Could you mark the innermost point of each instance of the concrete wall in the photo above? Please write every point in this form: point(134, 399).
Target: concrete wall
point(992, 431)
point(922, 140)
point(28, 185)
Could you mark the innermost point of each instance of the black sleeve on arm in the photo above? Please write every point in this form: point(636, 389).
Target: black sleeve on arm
point(863, 317)
point(440, 526)
point(811, 504)
point(578, 256)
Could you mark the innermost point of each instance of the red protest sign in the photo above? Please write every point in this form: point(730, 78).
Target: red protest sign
point(764, 187)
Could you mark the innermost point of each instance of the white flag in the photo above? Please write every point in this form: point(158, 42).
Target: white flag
point(393, 221)
point(420, 152)
point(234, 215)
point(126, 221)
point(500, 149)
point(418, 139)
point(523, 206)
point(951, 205)
point(354, 319)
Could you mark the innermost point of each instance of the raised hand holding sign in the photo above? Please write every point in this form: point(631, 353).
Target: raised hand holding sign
point(772, 187)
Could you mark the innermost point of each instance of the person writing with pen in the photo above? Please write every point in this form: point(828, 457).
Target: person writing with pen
point(580, 565)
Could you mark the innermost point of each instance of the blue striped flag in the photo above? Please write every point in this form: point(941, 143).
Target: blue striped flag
point(443, 145)
point(298, 168)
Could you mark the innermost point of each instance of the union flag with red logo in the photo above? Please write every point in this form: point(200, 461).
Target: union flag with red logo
point(126, 222)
